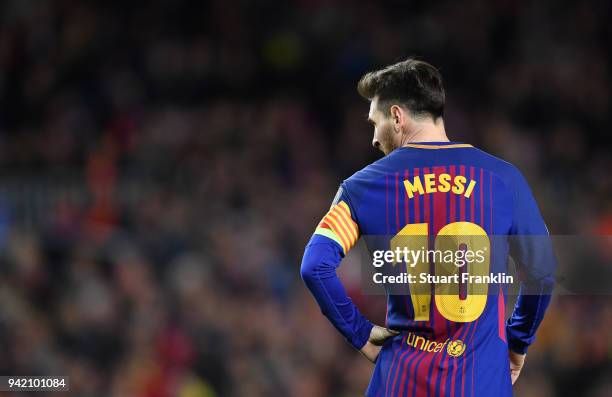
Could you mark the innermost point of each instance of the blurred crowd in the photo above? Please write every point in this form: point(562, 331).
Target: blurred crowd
point(163, 164)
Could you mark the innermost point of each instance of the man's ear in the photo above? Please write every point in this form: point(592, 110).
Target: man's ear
point(397, 117)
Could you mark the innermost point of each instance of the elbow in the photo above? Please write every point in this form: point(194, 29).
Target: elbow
point(318, 263)
point(541, 286)
point(308, 270)
point(314, 264)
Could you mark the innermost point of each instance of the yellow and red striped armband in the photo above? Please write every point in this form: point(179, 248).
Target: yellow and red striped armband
point(339, 226)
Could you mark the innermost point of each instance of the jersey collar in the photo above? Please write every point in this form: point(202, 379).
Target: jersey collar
point(437, 145)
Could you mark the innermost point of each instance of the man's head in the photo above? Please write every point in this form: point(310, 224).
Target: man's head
point(403, 96)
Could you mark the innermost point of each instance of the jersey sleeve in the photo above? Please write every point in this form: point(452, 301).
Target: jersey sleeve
point(338, 224)
point(531, 249)
point(333, 238)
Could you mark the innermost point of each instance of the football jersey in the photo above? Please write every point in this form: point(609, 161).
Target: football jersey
point(448, 345)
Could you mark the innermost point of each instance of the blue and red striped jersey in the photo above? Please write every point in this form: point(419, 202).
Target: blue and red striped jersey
point(455, 346)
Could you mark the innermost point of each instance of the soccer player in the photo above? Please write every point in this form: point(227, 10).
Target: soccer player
point(426, 185)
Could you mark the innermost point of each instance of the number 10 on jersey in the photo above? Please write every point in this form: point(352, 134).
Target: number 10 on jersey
point(456, 303)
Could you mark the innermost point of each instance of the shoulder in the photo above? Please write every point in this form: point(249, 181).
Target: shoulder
point(508, 173)
point(363, 184)
point(373, 171)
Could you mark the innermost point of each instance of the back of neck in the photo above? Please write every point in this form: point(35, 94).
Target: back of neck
point(426, 132)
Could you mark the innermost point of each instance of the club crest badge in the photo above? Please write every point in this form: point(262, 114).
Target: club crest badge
point(455, 348)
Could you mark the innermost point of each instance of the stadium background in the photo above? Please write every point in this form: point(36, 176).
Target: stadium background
point(163, 163)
